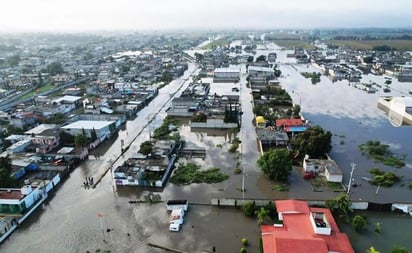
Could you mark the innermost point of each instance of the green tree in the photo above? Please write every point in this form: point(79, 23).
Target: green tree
point(276, 164)
point(250, 58)
point(54, 68)
point(399, 249)
point(199, 117)
point(314, 141)
point(340, 204)
point(249, 209)
point(6, 180)
point(199, 57)
point(272, 212)
point(146, 148)
point(93, 134)
point(166, 77)
point(261, 214)
point(80, 140)
point(359, 223)
point(261, 58)
point(66, 138)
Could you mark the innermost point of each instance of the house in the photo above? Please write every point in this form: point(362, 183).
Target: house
point(304, 229)
point(45, 137)
point(271, 137)
point(17, 201)
point(326, 167)
point(291, 125)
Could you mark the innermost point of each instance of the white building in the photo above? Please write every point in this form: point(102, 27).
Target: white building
point(261, 71)
point(104, 129)
point(325, 167)
point(226, 75)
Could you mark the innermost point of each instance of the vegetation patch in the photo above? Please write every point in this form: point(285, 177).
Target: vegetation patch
point(291, 43)
point(382, 178)
point(235, 145)
point(370, 44)
point(163, 132)
point(381, 153)
point(280, 188)
point(191, 173)
point(216, 43)
point(315, 77)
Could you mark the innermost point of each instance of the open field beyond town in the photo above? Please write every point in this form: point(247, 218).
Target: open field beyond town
point(369, 44)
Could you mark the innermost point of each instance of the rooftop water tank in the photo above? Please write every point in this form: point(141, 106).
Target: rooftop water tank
point(25, 190)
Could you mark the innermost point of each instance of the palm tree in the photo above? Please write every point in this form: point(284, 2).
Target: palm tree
point(262, 213)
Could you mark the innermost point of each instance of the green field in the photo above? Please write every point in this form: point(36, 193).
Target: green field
point(369, 44)
point(290, 44)
point(41, 89)
point(216, 43)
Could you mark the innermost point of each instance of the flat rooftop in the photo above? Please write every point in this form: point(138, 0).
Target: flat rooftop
point(41, 128)
point(88, 124)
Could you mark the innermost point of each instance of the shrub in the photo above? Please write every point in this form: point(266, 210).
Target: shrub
point(245, 242)
point(243, 250)
point(249, 209)
point(359, 223)
point(233, 147)
point(378, 227)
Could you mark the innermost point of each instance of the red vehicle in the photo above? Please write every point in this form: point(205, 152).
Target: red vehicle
point(309, 175)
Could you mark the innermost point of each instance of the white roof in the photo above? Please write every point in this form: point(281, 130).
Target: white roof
point(88, 125)
point(227, 70)
point(260, 69)
point(41, 128)
point(70, 99)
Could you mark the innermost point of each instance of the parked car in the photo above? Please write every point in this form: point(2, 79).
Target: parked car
point(309, 175)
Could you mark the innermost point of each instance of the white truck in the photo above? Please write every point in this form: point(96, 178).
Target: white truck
point(177, 204)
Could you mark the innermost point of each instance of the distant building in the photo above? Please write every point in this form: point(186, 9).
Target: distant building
point(304, 229)
point(405, 73)
point(226, 75)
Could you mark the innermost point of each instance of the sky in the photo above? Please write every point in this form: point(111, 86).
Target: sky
point(109, 15)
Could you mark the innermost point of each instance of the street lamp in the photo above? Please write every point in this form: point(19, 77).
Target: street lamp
point(353, 165)
point(243, 179)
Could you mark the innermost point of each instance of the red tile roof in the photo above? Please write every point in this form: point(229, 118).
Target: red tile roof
point(291, 206)
point(297, 234)
point(288, 122)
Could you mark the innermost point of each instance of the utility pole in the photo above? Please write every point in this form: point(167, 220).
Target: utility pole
point(353, 165)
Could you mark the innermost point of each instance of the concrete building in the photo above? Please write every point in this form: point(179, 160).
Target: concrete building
point(226, 75)
point(405, 73)
point(104, 129)
point(261, 71)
